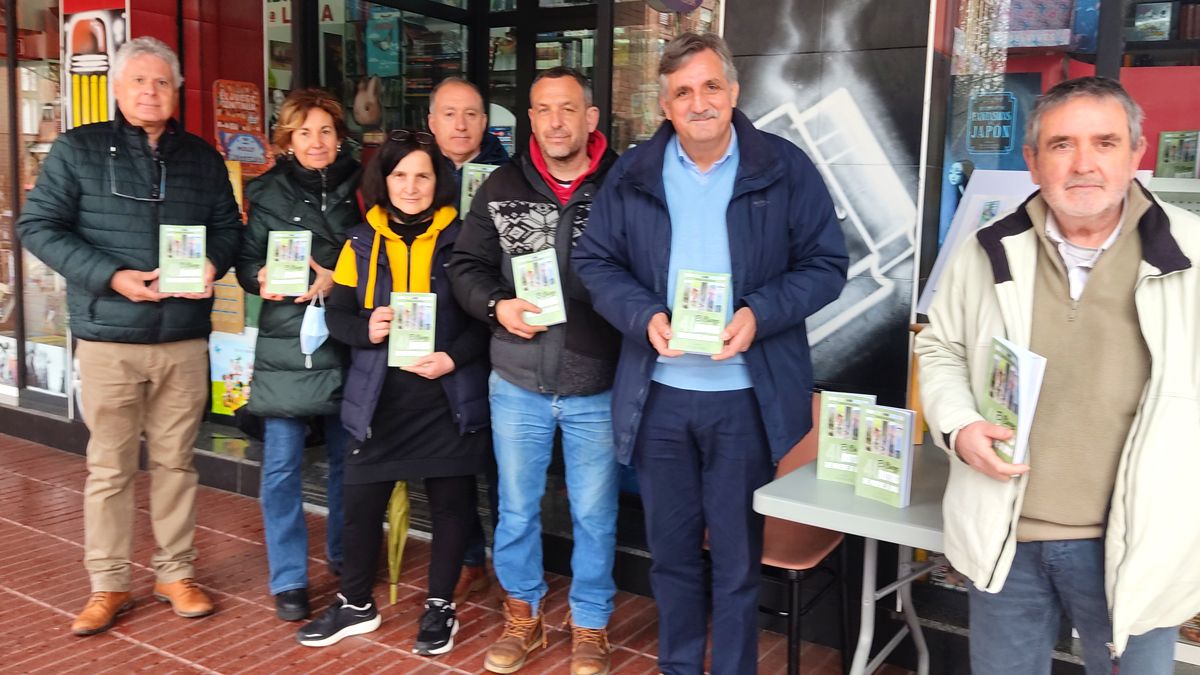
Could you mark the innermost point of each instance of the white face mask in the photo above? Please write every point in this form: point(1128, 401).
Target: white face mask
point(313, 330)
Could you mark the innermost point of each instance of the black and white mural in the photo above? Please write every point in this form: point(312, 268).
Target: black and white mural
point(844, 80)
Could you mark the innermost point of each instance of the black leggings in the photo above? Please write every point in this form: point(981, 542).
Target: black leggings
point(362, 535)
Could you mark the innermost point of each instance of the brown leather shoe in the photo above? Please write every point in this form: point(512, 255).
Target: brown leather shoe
point(101, 612)
point(589, 651)
point(185, 597)
point(523, 633)
point(472, 580)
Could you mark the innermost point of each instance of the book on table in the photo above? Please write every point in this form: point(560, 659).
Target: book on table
point(699, 312)
point(287, 262)
point(536, 279)
point(1011, 401)
point(885, 458)
point(837, 435)
point(181, 258)
point(414, 316)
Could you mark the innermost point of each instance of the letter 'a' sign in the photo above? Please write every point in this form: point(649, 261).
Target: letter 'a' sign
point(991, 120)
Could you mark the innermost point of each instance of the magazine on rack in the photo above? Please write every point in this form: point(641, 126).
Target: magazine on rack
point(885, 457)
point(1012, 396)
point(837, 435)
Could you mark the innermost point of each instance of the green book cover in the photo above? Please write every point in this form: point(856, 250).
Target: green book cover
point(1177, 154)
point(886, 455)
point(414, 316)
point(837, 435)
point(536, 279)
point(287, 262)
point(181, 258)
point(1012, 395)
point(699, 312)
point(473, 176)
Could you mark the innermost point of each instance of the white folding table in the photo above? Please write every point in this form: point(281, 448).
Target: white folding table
point(800, 497)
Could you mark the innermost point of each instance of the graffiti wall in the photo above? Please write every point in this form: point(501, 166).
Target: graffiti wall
point(844, 80)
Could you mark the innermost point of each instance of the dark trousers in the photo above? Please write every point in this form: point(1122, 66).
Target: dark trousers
point(362, 535)
point(477, 541)
point(699, 457)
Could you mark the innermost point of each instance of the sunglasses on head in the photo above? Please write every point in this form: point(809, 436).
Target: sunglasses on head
point(421, 137)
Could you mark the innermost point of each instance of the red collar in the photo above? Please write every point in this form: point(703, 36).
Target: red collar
point(596, 146)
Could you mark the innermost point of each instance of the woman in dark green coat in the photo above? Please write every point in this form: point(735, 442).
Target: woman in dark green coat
point(311, 188)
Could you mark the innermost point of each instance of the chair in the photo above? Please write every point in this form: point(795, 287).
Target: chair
point(792, 552)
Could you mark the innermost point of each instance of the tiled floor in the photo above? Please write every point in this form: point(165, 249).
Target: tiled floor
point(42, 586)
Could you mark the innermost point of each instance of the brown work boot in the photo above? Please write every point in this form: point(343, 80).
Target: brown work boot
point(473, 579)
point(185, 597)
point(523, 633)
point(589, 651)
point(101, 612)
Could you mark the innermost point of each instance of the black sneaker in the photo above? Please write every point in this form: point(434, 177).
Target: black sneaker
point(437, 628)
point(341, 620)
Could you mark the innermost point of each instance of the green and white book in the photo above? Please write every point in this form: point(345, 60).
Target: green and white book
point(1012, 395)
point(699, 312)
point(181, 258)
point(414, 316)
point(837, 437)
point(287, 262)
point(536, 279)
point(473, 176)
point(885, 458)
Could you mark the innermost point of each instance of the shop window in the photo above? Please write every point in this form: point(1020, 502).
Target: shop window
point(640, 33)
point(383, 62)
point(502, 92)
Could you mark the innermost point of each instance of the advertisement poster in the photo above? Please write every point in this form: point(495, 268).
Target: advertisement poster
point(383, 47)
point(985, 130)
point(92, 31)
point(46, 366)
point(8, 366)
point(238, 118)
point(231, 359)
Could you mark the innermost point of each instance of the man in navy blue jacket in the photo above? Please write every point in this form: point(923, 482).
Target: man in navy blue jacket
point(710, 193)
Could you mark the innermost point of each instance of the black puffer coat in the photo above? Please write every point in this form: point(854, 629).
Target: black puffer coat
point(288, 197)
point(77, 222)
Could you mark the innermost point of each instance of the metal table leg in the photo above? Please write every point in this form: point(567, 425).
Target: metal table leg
point(866, 626)
point(910, 618)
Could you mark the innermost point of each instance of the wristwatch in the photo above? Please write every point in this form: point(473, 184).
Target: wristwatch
point(491, 308)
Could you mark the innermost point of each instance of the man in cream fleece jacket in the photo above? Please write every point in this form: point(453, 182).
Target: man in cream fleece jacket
point(1087, 273)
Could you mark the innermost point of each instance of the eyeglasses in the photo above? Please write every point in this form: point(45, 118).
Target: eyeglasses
point(421, 137)
point(157, 196)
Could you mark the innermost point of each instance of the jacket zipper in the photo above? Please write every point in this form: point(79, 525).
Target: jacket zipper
point(1112, 647)
point(324, 189)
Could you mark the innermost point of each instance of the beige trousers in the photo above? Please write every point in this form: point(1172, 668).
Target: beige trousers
point(128, 390)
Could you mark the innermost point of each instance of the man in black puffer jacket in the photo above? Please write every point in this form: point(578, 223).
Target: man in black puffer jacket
point(94, 217)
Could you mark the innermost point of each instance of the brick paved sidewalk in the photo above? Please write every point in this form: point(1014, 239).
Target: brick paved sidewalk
point(43, 585)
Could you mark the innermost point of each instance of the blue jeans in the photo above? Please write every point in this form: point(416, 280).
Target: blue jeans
point(700, 455)
point(283, 499)
point(1013, 631)
point(523, 424)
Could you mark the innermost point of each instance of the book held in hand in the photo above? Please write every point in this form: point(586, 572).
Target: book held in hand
point(1012, 396)
point(699, 312)
point(885, 457)
point(287, 262)
point(414, 316)
point(537, 281)
point(473, 176)
point(181, 258)
point(837, 435)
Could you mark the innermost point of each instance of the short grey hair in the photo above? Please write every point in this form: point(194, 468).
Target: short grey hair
point(565, 71)
point(1095, 87)
point(454, 79)
point(146, 46)
point(680, 50)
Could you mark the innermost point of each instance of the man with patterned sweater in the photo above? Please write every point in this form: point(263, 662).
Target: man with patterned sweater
point(546, 377)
